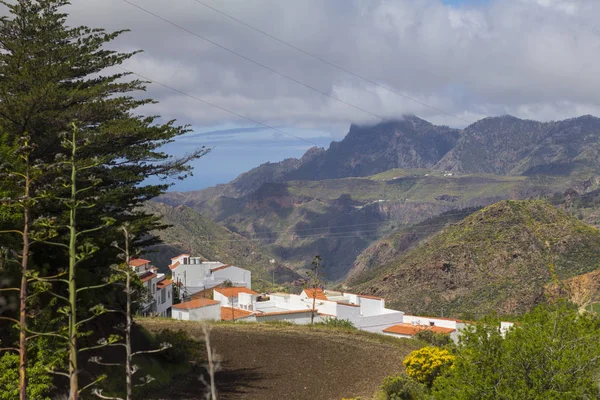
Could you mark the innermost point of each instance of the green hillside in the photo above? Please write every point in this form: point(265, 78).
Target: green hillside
point(497, 259)
point(190, 231)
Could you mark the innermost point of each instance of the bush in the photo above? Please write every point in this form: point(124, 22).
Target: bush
point(426, 364)
point(434, 339)
point(336, 323)
point(183, 349)
point(39, 380)
point(401, 387)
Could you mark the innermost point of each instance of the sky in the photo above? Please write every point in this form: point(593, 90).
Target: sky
point(450, 62)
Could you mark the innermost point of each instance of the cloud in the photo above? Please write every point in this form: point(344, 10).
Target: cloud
point(532, 58)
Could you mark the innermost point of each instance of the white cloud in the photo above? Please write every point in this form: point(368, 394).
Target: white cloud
point(532, 58)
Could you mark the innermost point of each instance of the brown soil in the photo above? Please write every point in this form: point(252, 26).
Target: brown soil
point(291, 362)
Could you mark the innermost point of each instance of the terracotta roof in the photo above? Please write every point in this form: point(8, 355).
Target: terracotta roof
point(173, 266)
point(164, 283)
point(196, 303)
point(234, 291)
point(229, 314)
point(317, 293)
point(410, 329)
point(283, 312)
point(147, 277)
point(220, 268)
point(136, 262)
point(181, 255)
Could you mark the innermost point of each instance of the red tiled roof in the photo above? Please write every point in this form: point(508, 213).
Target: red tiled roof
point(284, 312)
point(317, 293)
point(136, 262)
point(220, 268)
point(234, 291)
point(164, 283)
point(184, 255)
point(410, 329)
point(173, 266)
point(229, 314)
point(196, 303)
point(147, 277)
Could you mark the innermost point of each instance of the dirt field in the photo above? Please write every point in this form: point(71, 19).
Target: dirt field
point(273, 362)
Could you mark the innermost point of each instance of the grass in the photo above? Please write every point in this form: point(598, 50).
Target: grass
point(283, 360)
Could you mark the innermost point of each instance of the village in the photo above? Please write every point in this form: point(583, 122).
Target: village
point(213, 291)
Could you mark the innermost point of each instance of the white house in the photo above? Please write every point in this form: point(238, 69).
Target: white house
point(195, 275)
point(241, 297)
point(197, 310)
point(414, 323)
point(365, 312)
point(159, 289)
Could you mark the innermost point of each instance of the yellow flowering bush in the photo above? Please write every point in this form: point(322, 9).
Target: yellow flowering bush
point(426, 364)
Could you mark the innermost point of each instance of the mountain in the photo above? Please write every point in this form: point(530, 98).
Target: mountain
point(388, 176)
point(339, 218)
point(390, 247)
point(409, 142)
point(190, 231)
point(511, 146)
point(497, 259)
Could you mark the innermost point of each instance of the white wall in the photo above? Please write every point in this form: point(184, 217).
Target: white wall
point(212, 312)
point(161, 308)
point(377, 323)
point(237, 275)
point(183, 315)
point(370, 307)
point(225, 301)
point(299, 318)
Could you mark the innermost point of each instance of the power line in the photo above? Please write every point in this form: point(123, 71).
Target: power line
point(347, 71)
point(267, 234)
point(253, 61)
point(216, 106)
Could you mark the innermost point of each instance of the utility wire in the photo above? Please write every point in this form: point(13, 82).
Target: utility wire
point(347, 71)
point(405, 226)
point(214, 105)
point(253, 61)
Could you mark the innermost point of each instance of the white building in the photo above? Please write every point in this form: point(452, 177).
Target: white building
point(195, 275)
point(413, 324)
point(160, 290)
point(197, 310)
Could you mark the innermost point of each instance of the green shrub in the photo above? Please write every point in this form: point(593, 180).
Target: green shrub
point(183, 349)
point(39, 380)
point(433, 338)
point(401, 387)
point(336, 323)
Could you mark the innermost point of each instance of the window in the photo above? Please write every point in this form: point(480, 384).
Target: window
point(153, 288)
point(163, 298)
point(169, 293)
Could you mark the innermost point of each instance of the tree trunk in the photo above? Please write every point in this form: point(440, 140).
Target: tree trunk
point(23, 295)
point(129, 372)
point(73, 370)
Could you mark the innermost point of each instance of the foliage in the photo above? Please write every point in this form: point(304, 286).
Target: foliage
point(39, 381)
point(336, 323)
point(434, 338)
point(554, 353)
point(182, 350)
point(427, 364)
point(401, 387)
